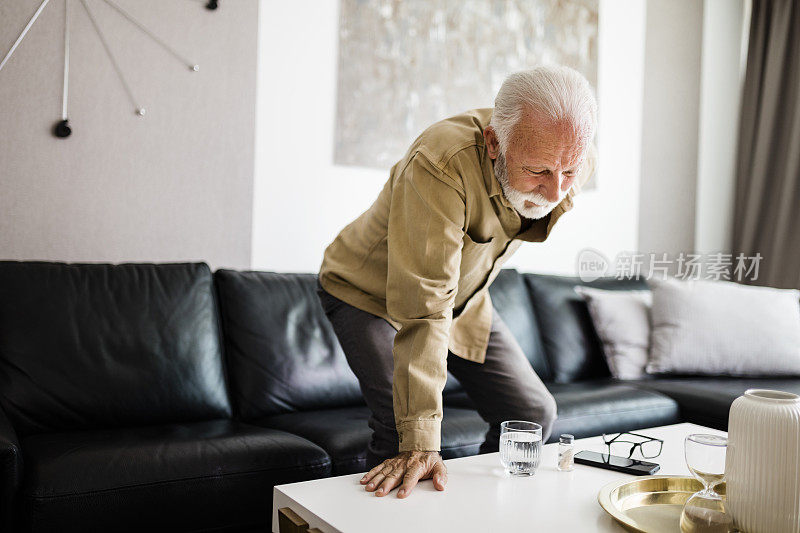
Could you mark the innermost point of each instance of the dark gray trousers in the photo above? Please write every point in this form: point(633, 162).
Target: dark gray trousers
point(504, 387)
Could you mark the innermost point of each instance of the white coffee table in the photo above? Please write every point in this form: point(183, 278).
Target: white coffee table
point(479, 496)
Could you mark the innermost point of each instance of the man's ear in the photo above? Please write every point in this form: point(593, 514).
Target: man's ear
point(492, 143)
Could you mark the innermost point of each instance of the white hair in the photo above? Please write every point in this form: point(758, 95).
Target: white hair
point(557, 93)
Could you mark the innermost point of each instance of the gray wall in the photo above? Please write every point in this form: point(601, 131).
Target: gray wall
point(174, 185)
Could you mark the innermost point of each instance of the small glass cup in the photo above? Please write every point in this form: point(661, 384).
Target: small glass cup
point(520, 447)
point(704, 511)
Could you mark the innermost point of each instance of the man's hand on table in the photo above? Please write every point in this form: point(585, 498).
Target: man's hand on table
point(406, 468)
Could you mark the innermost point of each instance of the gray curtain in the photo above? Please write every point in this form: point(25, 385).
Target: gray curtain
point(767, 205)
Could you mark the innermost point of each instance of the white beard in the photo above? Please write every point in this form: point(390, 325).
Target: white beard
point(518, 198)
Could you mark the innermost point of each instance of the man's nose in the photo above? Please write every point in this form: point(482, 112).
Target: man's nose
point(552, 187)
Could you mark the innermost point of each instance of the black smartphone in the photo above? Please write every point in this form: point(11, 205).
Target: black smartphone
point(613, 462)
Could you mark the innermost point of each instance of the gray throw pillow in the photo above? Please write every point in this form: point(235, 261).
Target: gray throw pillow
point(724, 328)
point(622, 321)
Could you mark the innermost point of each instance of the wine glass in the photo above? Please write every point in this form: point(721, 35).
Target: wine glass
point(705, 511)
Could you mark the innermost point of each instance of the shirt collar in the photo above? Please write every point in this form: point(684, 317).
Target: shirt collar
point(541, 228)
point(492, 185)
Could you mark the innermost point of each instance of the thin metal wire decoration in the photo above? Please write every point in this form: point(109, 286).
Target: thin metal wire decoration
point(62, 129)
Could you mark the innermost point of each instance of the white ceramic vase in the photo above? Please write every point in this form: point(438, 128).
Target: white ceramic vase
point(762, 476)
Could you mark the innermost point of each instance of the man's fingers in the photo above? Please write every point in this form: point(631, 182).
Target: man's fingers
point(375, 482)
point(371, 474)
point(439, 475)
point(391, 481)
point(405, 471)
point(374, 477)
point(409, 482)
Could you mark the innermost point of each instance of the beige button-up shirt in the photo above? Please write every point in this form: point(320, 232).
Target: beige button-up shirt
point(423, 256)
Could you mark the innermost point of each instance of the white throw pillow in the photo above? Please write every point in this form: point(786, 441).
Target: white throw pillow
point(724, 328)
point(622, 321)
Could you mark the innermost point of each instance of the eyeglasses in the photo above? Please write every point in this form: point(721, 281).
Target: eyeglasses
point(618, 444)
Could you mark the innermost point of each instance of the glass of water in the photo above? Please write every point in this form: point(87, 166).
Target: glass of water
point(520, 447)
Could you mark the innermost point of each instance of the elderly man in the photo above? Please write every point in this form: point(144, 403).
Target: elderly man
point(406, 284)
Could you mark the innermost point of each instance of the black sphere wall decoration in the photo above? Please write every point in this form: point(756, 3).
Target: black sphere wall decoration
point(62, 129)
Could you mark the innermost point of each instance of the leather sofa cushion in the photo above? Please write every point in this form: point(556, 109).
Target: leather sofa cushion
point(510, 298)
point(594, 407)
point(95, 345)
point(573, 350)
point(344, 433)
point(183, 477)
point(281, 350)
point(707, 401)
point(590, 408)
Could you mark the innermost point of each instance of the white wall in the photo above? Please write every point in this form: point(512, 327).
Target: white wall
point(302, 200)
point(670, 126)
point(725, 33)
point(175, 185)
point(692, 96)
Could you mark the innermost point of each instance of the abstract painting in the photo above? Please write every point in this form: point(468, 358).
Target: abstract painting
point(405, 64)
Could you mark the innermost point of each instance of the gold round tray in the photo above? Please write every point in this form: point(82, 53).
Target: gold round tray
point(650, 504)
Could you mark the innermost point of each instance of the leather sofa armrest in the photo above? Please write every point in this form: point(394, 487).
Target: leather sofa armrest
point(10, 472)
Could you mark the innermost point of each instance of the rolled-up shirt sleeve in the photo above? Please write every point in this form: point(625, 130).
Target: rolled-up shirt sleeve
point(425, 236)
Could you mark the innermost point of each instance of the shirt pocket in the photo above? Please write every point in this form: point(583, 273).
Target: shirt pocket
point(476, 257)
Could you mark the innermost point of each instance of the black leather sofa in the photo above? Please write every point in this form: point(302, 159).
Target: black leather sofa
point(164, 397)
